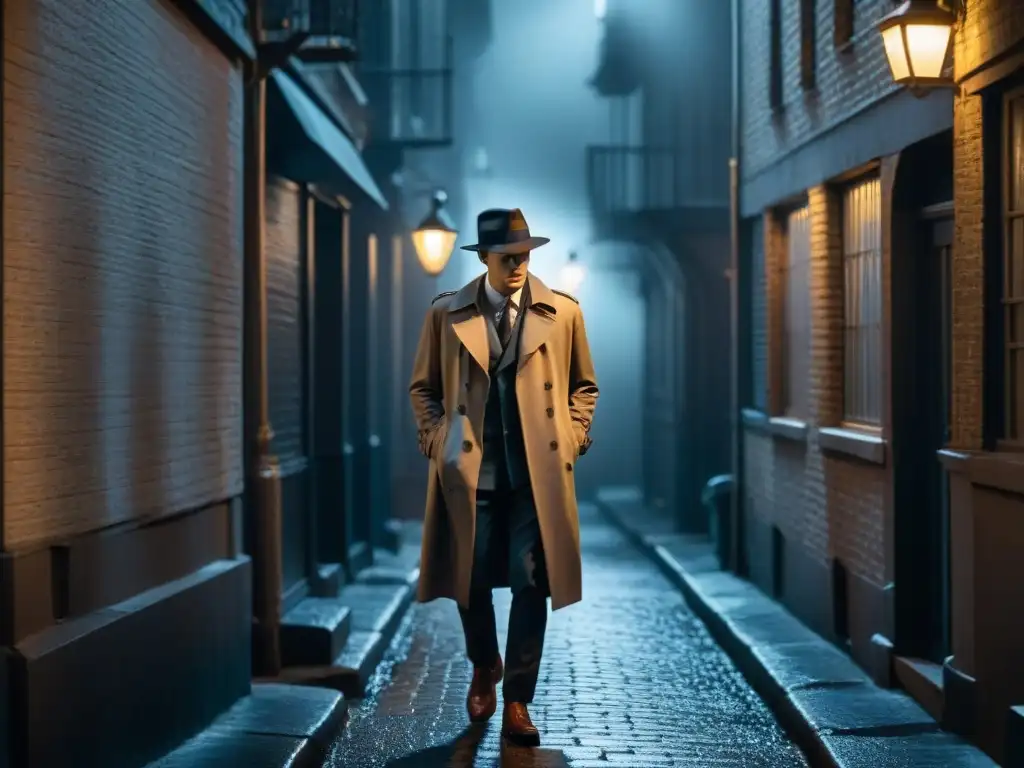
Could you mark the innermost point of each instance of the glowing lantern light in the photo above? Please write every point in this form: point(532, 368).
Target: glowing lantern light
point(917, 38)
point(434, 239)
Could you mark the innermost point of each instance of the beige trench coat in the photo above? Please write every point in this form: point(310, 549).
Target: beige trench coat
point(557, 390)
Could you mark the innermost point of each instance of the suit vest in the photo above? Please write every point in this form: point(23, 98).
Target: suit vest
point(503, 466)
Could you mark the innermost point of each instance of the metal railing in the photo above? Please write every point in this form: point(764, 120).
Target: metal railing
point(411, 106)
point(623, 179)
point(331, 25)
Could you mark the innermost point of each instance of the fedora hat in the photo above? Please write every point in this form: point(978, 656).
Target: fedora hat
point(502, 230)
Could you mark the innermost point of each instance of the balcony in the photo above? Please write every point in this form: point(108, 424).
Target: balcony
point(328, 29)
point(632, 180)
point(411, 107)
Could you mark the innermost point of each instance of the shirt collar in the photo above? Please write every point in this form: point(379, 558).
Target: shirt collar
point(496, 300)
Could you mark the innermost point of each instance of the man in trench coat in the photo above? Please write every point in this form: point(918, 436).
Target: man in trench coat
point(503, 391)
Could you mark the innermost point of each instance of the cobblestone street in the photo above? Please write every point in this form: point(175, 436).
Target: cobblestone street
point(629, 677)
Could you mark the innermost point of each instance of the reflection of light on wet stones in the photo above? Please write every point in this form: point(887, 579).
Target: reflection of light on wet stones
point(608, 667)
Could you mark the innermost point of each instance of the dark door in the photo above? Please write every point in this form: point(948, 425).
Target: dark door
point(286, 346)
point(941, 257)
point(326, 418)
point(922, 556)
point(356, 300)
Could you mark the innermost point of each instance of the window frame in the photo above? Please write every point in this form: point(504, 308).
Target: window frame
point(808, 45)
point(775, 68)
point(1012, 399)
point(871, 382)
point(842, 23)
point(786, 405)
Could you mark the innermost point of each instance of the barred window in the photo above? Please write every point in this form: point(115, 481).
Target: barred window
point(808, 44)
point(775, 54)
point(842, 31)
point(796, 319)
point(1013, 264)
point(862, 289)
point(760, 344)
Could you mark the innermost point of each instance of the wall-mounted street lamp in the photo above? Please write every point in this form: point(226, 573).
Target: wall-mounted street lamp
point(572, 274)
point(917, 37)
point(434, 238)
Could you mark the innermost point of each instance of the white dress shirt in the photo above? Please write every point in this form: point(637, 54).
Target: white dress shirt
point(498, 303)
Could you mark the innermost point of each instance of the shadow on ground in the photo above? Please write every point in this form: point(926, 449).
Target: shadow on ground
point(461, 752)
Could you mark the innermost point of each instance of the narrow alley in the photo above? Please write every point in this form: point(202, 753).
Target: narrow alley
point(629, 677)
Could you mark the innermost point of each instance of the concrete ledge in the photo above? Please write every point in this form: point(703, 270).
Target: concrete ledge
point(277, 726)
point(827, 704)
point(89, 686)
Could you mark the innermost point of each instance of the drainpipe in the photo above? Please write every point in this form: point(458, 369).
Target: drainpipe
point(263, 477)
point(736, 504)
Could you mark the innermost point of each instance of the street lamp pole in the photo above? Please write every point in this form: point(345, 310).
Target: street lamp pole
point(263, 477)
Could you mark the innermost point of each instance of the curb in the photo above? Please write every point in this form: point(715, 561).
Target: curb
point(824, 746)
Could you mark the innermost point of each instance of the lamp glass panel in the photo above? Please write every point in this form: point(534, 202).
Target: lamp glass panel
point(927, 46)
point(896, 52)
point(433, 248)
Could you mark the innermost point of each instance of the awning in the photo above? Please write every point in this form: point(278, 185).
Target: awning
point(334, 160)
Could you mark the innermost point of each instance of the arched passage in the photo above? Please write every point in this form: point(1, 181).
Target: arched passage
point(634, 297)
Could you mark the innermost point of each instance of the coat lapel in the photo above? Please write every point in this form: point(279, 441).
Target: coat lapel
point(470, 325)
point(537, 322)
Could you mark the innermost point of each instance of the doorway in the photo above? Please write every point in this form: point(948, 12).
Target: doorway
point(922, 416)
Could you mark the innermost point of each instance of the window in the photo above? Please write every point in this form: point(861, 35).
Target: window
point(808, 41)
point(759, 342)
point(862, 297)
point(842, 30)
point(775, 54)
point(1013, 264)
point(796, 318)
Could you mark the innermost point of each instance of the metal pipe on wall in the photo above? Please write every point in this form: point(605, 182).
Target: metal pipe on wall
point(736, 438)
point(263, 476)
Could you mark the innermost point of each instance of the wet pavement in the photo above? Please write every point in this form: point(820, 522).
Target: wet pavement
point(629, 677)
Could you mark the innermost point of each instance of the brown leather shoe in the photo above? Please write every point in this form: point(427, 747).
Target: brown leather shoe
point(482, 701)
point(517, 727)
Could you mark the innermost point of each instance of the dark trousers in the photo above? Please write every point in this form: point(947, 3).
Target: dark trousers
point(508, 518)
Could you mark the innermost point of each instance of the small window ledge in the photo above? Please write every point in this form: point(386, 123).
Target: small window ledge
point(788, 429)
point(755, 420)
point(852, 442)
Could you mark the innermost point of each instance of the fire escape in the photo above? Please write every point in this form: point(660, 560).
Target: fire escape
point(661, 183)
point(664, 163)
point(405, 66)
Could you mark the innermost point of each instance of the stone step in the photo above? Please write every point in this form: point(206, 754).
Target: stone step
point(377, 611)
point(314, 631)
point(276, 726)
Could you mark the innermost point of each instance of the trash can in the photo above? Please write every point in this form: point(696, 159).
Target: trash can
point(717, 501)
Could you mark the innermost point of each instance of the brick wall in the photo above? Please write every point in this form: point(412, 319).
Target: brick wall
point(122, 358)
point(848, 79)
point(828, 505)
point(988, 29)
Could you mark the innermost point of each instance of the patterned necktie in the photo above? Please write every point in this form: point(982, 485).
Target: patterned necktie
point(505, 324)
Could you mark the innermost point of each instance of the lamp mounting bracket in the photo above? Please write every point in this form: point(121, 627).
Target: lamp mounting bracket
point(273, 54)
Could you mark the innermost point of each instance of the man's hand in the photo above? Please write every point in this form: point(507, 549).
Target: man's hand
point(583, 391)
point(425, 391)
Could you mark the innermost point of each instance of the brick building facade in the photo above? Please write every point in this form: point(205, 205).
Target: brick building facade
point(882, 389)
point(179, 239)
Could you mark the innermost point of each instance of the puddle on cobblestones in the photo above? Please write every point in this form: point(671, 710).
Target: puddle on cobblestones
point(629, 677)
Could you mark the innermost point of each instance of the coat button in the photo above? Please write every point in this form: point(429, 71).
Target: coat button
point(547, 385)
point(461, 409)
point(551, 413)
point(568, 467)
point(467, 446)
point(554, 445)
